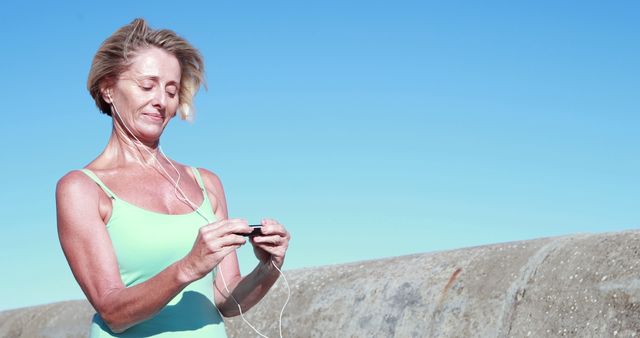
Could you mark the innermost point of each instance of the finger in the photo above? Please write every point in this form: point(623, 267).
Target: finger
point(238, 229)
point(273, 250)
point(269, 221)
point(226, 241)
point(228, 250)
point(235, 226)
point(222, 223)
point(272, 240)
point(274, 228)
point(219, 256)
point(215, 225)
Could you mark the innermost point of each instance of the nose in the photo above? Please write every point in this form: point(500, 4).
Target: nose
point(159, 98)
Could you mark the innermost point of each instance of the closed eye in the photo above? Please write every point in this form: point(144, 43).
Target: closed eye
point(146, 87)
point(172, 91)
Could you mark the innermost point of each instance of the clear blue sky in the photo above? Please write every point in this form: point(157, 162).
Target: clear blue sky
point(370, 128)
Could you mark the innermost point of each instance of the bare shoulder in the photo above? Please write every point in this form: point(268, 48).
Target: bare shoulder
point(77, 204)
point(212, 182)
point(74, 183)
point(213, 185)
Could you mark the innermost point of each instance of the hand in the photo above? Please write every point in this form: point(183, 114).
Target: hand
point(272, 244)
point(214, 242)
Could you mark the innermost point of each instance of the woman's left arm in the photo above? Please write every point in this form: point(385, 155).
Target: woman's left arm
point(270, 248)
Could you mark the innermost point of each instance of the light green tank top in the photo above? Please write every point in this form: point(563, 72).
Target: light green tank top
point(145, 243)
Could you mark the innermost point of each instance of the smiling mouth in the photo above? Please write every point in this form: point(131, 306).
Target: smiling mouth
point(154, 117)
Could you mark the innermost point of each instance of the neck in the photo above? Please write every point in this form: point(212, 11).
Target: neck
point(126, 150)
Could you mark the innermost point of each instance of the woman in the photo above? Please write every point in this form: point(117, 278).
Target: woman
point(148, 239)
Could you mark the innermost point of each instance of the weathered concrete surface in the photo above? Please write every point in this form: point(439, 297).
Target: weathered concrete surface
point(579, 286)
point(65, 319)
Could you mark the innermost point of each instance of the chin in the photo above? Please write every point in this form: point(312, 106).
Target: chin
point(150, 134)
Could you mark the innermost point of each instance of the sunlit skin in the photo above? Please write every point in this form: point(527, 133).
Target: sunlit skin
point(146, 96)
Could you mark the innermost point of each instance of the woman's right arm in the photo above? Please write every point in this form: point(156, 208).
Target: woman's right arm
point(88, 249)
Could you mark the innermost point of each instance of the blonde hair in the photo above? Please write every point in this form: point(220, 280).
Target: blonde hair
point(112, 58)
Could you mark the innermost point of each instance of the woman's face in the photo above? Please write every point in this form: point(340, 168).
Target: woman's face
point(146, 94)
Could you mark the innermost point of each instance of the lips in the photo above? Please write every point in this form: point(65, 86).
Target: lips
point(154, 116)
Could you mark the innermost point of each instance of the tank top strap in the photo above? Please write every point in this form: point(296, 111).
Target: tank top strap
point(196, 173)
point(99, 182)
point(206, 201)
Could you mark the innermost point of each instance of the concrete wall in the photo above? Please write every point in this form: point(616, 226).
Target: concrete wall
point(579, 286)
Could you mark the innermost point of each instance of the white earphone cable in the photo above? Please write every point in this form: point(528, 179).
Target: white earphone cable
point(185, 199)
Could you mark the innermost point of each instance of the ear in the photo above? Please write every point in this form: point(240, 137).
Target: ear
point(105, 90)
point(104, 93)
